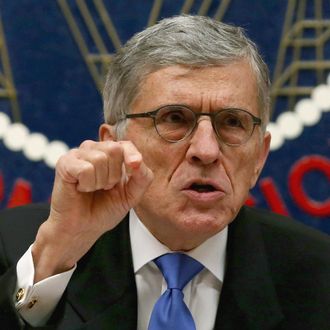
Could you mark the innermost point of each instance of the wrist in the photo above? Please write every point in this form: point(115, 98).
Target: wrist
point(51, 255)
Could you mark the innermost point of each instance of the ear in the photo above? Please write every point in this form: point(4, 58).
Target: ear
point(107, 132)
point(261, 158)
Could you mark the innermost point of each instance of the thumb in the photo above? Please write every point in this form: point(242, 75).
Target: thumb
point(140, 178)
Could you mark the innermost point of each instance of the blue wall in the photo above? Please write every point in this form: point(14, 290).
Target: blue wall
point(58, 97)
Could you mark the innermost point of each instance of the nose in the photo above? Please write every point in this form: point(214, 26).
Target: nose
point(204, 146)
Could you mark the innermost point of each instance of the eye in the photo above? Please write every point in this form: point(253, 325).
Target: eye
point(175, 116)
point(172, 116)
point(232, 121)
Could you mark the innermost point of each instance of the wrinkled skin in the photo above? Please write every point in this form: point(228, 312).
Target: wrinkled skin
point(99, 182)
point(176, 215)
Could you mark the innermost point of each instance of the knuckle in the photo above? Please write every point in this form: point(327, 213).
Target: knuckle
point(64, 159)
point(86, 177)
point(99, 157)
point(87, 144)
point(113, 144)
point(61, 161)
point(127, 144)
point(113, 150)
point(85, 169)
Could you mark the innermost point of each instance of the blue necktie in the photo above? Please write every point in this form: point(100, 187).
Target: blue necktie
point(170, 311)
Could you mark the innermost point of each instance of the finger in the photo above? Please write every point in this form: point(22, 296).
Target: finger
point(139, 180)
point(100, 165)
point(113, 153)
point(139, 176)
point(115, 169)
point(132, 157)
point(95, 176)
point(73, 170)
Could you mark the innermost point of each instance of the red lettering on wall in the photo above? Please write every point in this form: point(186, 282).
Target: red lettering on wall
point(251, 201)
point(298, 171)
point(272, 196)
point(21, 194)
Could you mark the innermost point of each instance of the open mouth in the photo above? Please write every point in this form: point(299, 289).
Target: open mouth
point(202, 188)
point(203, 192)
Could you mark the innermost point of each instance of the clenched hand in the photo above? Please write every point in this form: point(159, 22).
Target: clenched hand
point(95, 186)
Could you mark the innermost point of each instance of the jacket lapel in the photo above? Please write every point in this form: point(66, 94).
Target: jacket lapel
point(102, 291)
point(248, 298)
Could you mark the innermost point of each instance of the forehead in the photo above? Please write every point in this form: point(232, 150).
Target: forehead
point(206, 88)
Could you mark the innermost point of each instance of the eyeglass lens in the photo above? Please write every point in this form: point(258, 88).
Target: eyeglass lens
point(233, 126)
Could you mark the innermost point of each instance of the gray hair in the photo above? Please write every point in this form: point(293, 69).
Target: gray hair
point(194, 41)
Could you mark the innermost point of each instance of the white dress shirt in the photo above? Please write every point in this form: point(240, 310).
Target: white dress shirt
point(36, 302)
point(201, 294)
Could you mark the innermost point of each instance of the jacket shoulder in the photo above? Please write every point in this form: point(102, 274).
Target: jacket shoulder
point(292, 243)
point(18, 228)
point(284, 225)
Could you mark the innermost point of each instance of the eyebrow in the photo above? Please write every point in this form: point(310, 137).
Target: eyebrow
point(197, 109)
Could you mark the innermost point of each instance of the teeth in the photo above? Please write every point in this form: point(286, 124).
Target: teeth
point(202, 187)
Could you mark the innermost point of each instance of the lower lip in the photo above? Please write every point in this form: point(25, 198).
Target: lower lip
point(204, 197)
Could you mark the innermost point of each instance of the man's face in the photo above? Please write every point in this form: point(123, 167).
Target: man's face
point(173, 208)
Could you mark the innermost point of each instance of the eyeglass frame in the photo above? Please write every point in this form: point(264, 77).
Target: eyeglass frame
point(152, 114)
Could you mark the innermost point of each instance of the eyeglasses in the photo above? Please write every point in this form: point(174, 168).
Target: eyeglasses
point(175, 123)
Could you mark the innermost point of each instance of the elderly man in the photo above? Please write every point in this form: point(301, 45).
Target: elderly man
point(147, 228)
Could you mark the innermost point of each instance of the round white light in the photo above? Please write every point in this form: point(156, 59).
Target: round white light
point(4, 123)
point(321, 96)
point(289, 125)
point(308, 112)
point(54, 151)
point(15, 136)
point(35, 147)
point(277, 137)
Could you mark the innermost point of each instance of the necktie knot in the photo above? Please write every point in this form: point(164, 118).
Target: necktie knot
point(178, 269)
point(170, 311)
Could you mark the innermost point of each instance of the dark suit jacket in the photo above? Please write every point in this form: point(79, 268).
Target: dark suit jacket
point(277, 276)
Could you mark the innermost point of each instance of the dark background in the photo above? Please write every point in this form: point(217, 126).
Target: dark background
point(58, 97)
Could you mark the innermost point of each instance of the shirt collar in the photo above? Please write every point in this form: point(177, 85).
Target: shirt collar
point(145, 247)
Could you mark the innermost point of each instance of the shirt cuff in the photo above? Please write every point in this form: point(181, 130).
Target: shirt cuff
point(36, 302)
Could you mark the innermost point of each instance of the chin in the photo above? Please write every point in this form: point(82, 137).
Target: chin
point(193, 231)
point(202, 224)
